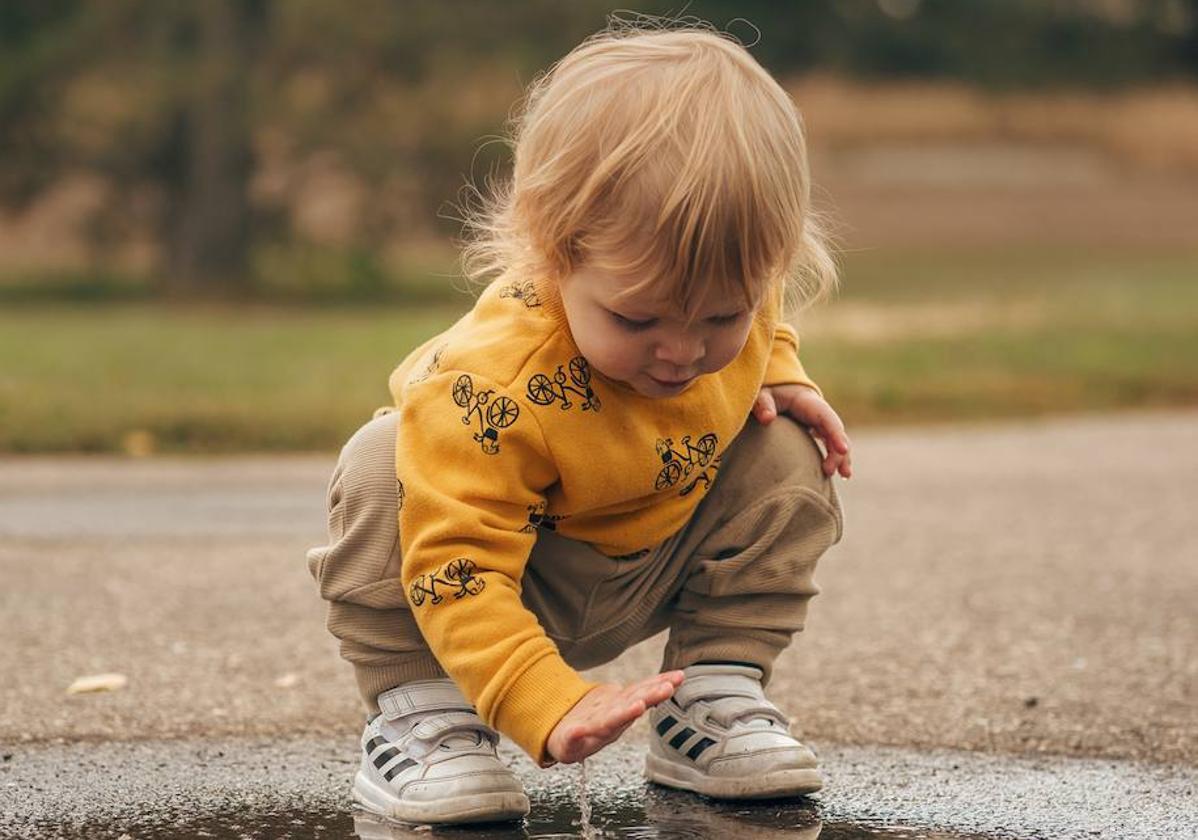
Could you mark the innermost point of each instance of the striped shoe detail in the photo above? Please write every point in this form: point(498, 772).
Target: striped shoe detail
point(697, 750)
point(398, 768)
point(385, 756)
point(679, 739)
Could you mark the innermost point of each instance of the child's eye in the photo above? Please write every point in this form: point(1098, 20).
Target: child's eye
point(631, 323)
point(724, 320)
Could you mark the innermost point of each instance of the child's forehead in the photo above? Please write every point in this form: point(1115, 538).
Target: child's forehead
point(641, 296)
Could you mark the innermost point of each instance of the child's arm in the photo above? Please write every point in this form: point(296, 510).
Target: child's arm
point(474, 464)
point(784, 367)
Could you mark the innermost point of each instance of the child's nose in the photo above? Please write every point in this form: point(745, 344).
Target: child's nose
point(680, 350)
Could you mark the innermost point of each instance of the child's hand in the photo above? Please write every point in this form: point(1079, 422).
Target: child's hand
point(603, 714)
point(809, 408)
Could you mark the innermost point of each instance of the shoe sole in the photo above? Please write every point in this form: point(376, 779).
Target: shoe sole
point(794, 782)
point(501, 806)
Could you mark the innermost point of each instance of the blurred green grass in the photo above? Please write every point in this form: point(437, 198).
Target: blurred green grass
point(914, 337)
point(201, 379)
point(1008, 333)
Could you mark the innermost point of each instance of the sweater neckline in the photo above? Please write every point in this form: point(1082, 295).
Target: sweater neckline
point(551, 301)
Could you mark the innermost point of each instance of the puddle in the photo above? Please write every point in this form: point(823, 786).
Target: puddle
point(627, 813)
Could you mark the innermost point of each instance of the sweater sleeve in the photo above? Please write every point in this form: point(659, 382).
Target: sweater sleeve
point(472, 463)
point(784, 366)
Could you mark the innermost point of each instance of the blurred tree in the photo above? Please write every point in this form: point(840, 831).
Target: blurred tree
point(996, 43)
point(208, 218)
point(262, 138)
point(151, 96)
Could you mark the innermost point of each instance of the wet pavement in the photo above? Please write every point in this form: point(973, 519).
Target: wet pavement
point(661, 815)
point(241, 789)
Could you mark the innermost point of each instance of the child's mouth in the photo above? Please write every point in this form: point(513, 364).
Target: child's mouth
point(672, 384)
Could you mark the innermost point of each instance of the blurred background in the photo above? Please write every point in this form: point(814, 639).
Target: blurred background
point(223, 223)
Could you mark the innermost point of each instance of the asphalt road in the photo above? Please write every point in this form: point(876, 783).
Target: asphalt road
point(1016, 589)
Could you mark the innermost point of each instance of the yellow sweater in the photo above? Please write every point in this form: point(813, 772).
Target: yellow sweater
point(505, 428)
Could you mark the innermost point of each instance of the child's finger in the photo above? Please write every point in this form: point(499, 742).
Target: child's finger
point(625, 712)
point(668, 677)
point(835, 441)
point(837, 463)
point(765, 408)
point(823, 417)
point(831, 457)
point(834, 433)
point(650, 695)
point(654, 689)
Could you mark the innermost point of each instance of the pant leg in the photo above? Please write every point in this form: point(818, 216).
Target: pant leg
point(753, 546)
point(358, 572)
point(595, 607)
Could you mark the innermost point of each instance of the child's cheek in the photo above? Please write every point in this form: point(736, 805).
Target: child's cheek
point(724, 350)
point(619, 353)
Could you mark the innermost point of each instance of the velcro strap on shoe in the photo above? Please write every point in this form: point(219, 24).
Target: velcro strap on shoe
point(423, 696)
point(427, 736)
point(708, 686)
point(726, 710)
point(437, 727)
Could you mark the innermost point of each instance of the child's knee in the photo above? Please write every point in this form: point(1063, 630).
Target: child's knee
point(774, 514)
point(768, 548)
point(781, 454)
point(805, 460)
point(370, 451)
point(363, 506)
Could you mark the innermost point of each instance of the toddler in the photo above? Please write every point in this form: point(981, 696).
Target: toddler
point(596, 451)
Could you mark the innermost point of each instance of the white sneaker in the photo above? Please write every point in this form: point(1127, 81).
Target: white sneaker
point(429, 758)
point(720, 737)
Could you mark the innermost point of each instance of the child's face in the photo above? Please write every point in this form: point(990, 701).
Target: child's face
point(646, 342)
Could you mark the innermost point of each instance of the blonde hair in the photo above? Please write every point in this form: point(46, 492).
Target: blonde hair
point(658, 152)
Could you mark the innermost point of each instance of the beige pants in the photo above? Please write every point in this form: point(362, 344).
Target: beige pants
point(733, 584)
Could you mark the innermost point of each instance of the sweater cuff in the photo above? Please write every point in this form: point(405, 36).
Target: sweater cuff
point(536, 702)
point(783, 366)
point(786, 369)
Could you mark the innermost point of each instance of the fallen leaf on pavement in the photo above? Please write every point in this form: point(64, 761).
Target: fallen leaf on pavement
point(287, 681)
point(98, 682)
